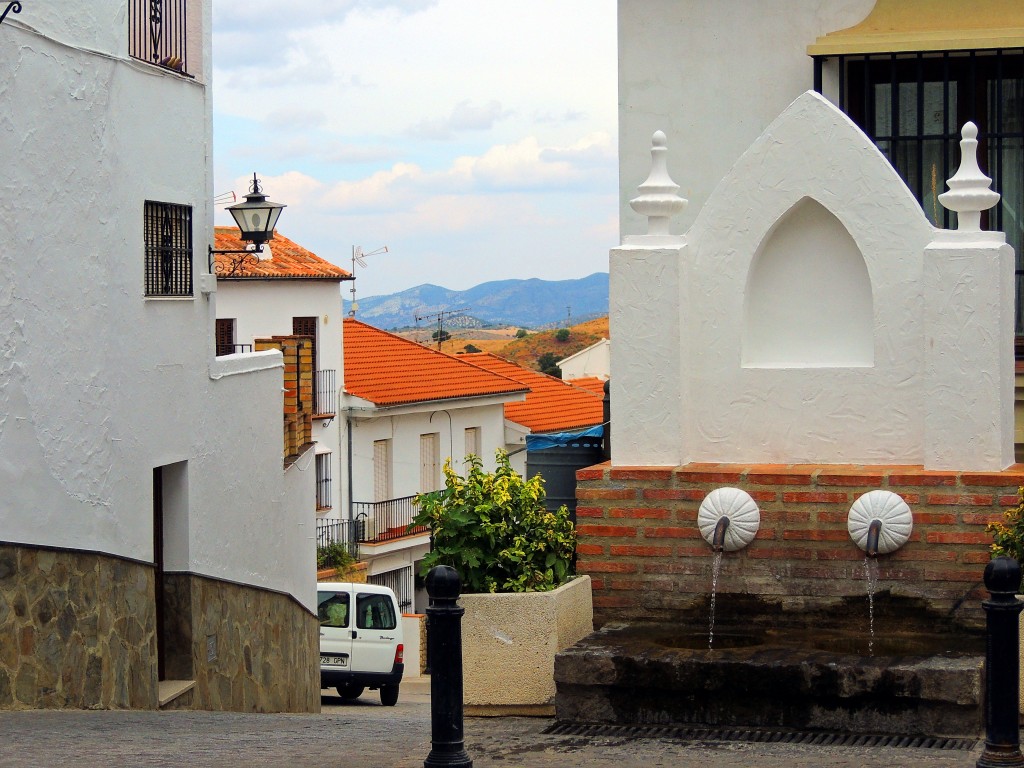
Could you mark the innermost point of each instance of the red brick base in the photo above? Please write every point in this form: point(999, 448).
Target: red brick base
point(639, 542)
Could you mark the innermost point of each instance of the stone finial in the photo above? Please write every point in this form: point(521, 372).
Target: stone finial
point(970, 190)
point(658, 200)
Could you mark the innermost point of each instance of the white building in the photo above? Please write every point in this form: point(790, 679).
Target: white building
point(407, 408)
point(289, 290)
point(149, 531)
point(592, 362)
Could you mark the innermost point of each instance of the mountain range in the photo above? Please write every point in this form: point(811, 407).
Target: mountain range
point(531, 303)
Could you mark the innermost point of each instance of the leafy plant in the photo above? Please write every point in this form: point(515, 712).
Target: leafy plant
point(492, 527)
point(548, 363)
point(440, 335)
point(1008, 533)
point(521, 333)
point(562, 335)
point(471, 348)
point(334, 555)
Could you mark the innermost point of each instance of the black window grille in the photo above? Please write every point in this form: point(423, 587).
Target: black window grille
point(399, 582)
point(157, 33)
point(323, 481)
point(913, 106)
point(167, 230)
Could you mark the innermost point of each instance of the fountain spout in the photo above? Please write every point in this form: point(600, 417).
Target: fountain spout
point(718, 541)
point(873, 531)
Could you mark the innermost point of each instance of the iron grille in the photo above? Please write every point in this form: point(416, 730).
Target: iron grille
point(167, 232)
point(157, 32)
point(323, 481)
point(399, 582)
point(386, 520)
point(338, 532)
point(324, 393)
point(913, 105)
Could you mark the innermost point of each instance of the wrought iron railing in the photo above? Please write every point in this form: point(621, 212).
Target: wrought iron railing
point(158, 33)
point(323, 481)
point(400, 582)
point(232, 349)
point(325, 393)
point(167, 233)
point(338, 532)
point(386, 520)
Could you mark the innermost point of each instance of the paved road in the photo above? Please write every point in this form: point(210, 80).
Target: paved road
point(363, 734)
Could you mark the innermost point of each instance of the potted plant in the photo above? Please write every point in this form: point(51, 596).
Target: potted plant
point(514, 559)
point(332, 560)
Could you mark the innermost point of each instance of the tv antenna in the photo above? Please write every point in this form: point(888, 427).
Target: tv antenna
point(224, 198)
point(440, 317)
point(358, 258)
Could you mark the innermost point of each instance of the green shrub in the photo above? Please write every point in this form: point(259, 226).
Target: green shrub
point(562, 334)
point(493, 529)
point(1008, 533)
point(334, 555)
point(471, 348)
point(521, 333)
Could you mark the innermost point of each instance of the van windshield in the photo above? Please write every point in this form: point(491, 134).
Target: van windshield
point(375, 612)
point(332, 609)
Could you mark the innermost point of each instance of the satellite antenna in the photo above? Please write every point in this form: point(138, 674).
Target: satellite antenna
point(224, 198)
point(358, 257)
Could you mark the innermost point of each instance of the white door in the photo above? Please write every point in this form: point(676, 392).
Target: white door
point(334, 609)
point(377, 632)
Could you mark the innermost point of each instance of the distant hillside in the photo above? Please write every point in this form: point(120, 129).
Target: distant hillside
point(528, 303)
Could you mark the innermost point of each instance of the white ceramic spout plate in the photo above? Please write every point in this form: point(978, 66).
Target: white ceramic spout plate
point(739, 507)
point(897, 521)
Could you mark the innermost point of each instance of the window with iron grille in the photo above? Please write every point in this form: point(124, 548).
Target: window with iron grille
point(167, 233)
point(323, 481)
point(913, 106)
point(399, 581)
point(158, 34)
point(225, 336)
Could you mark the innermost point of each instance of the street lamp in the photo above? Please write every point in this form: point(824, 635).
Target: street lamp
point(256, 218)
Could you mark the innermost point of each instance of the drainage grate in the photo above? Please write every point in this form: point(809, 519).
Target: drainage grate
point(822, 738)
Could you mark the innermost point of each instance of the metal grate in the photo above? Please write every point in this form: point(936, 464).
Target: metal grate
point(813, 738)
point(167, 233)
point(158, 33)
point(398, 581)
point(323, 481)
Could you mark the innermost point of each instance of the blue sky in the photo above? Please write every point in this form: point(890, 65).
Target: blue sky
point(475, 138)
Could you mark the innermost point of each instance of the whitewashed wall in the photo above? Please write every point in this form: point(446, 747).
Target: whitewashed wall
point(595, 360)
point(99, 385)
point(712, 76)
point(404, 429)
point(265, 308)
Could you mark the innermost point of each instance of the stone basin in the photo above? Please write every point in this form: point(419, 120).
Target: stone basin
point(915, 683)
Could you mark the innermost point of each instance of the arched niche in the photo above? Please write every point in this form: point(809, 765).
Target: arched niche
point(808, 301)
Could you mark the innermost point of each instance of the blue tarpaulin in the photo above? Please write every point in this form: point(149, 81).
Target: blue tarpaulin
point(563, 439)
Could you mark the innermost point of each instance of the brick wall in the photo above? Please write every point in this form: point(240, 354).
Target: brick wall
point(298, 389)
point(639, 541)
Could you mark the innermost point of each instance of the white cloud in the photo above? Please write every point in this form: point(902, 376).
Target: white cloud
point(465, 116)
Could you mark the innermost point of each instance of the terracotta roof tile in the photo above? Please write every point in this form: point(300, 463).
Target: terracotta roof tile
point(289, 261)
point(389, 370)
point(593, 384)
point(552, 405)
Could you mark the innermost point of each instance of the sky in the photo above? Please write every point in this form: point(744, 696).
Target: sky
point(476, 139)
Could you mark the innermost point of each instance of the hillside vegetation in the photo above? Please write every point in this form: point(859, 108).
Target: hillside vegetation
point(525, 351)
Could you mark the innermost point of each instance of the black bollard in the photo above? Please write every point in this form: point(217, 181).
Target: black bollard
point(444, 647)
point(1002, 665)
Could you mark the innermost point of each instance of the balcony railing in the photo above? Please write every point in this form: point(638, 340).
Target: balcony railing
point(338, 532)
point(232, 349)
point(157, 33)
point(324, 393)
point(386, 520)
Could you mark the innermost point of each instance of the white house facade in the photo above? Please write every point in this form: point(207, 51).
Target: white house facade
point(152, 545)
point(594, 361)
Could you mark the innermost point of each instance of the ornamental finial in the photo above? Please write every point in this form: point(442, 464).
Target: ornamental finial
point(970, 190)
point(658, 200)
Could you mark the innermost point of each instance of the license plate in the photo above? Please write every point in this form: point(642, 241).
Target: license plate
point(334, 661)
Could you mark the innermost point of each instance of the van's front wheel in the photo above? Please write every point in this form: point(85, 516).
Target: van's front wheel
point(389, 695)
point(349, 692)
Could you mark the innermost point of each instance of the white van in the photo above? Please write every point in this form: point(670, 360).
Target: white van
point(361, 644)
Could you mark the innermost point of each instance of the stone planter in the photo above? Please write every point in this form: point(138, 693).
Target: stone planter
point(509, 642)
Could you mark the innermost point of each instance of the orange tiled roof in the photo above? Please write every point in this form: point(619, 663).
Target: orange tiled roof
point(289, 261)
point(389, 370)
point(593, 384)
point(552, 405)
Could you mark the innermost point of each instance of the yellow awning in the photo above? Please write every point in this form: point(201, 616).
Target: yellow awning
point(898, 26)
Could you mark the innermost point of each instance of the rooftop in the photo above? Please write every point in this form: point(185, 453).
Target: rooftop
point(288, 260)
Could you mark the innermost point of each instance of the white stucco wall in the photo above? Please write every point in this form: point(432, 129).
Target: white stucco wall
point(922, 375)
point(99, 385)
point(595, 360)
point(264, 308)
point(712, 77)
point(404, 427)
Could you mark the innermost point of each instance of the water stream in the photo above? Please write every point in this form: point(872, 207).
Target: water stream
point(871, 574)
point(716, 567)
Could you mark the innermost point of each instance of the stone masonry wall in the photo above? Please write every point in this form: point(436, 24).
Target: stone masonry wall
point(639, 541)
point(265, 647)
point(76, 631)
